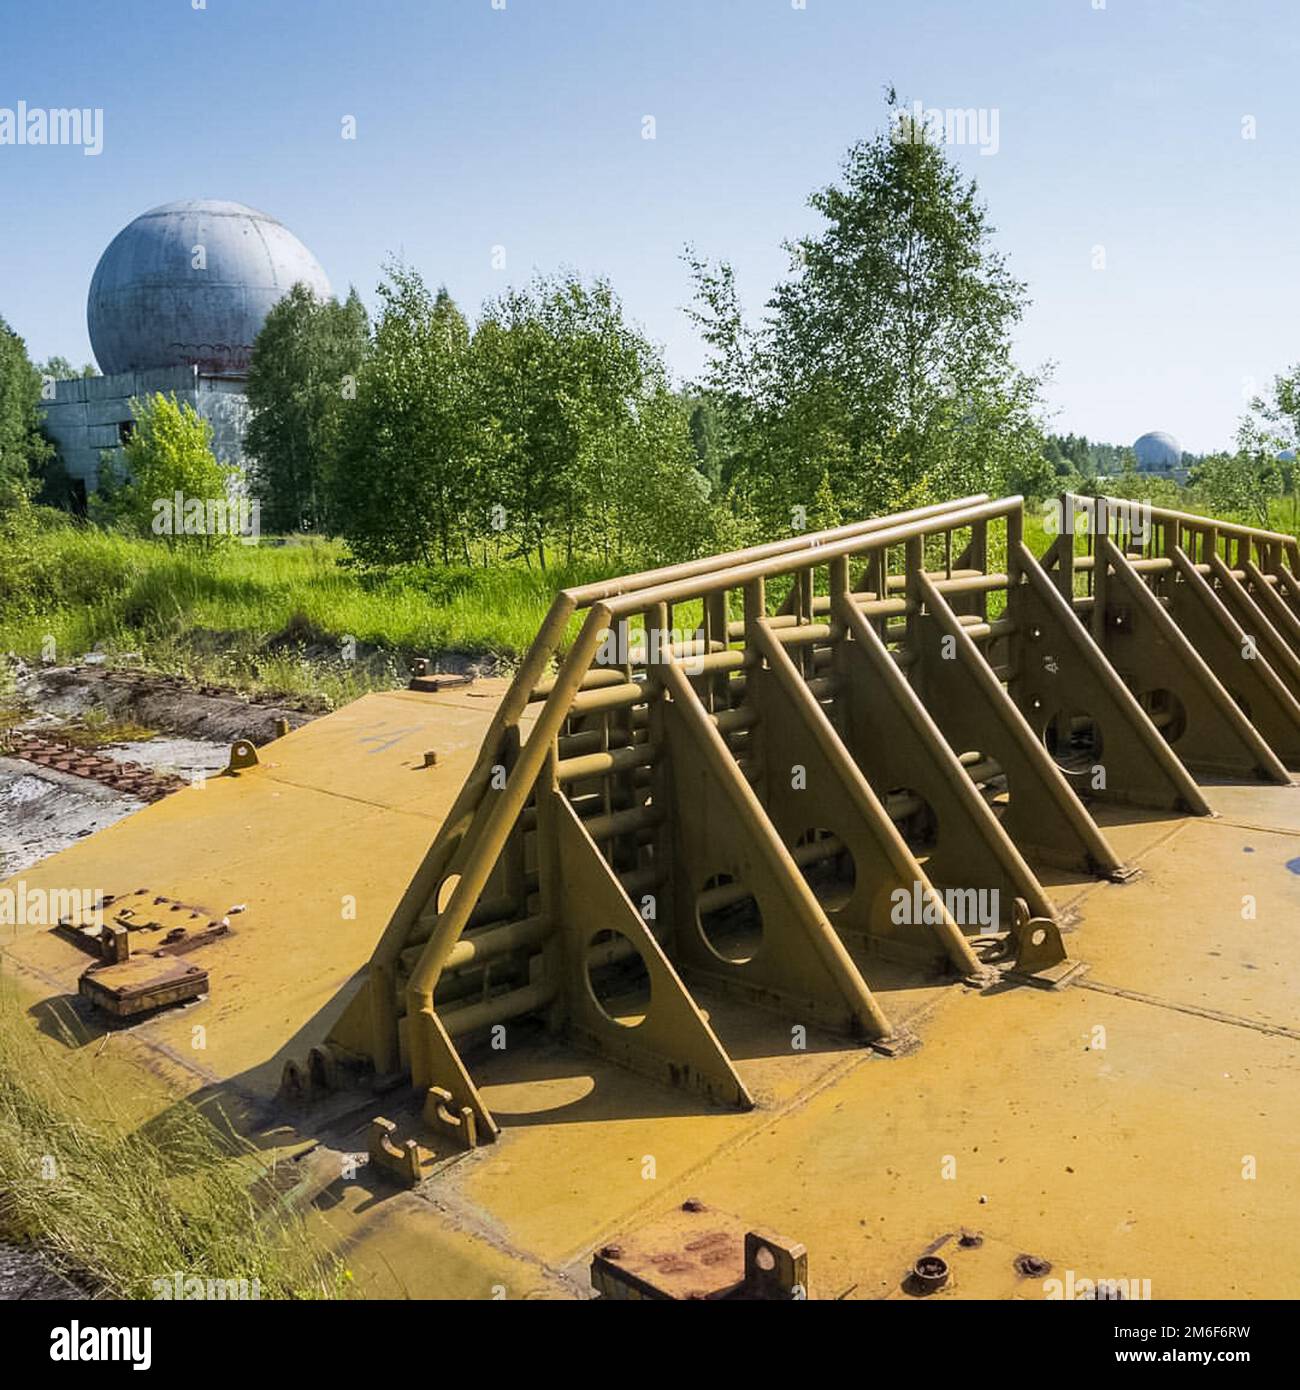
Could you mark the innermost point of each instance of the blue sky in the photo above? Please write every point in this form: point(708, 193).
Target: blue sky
point(1118, 127)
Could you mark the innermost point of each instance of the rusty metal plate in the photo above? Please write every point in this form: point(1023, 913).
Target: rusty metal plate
point(698, 1252)
point(142, 983)
point(689, 1254)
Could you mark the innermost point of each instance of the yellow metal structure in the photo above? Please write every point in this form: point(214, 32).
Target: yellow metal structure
point(597, 959)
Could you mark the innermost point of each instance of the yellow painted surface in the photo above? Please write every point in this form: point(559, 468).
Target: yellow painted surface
point(1212, 924)
point(1110, 1127)
point(399, 1245)
point(1116, 1163)
point(318, 843)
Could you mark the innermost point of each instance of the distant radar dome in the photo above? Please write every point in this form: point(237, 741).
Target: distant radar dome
point(190, 284)
point(1158, 452)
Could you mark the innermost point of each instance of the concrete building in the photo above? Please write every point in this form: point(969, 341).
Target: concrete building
point(175, 305)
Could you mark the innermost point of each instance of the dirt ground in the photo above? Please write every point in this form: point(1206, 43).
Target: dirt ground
point(166, 703)
point(43, 810)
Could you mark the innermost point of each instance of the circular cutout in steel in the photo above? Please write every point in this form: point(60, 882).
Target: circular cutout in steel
point(729, 920)
point(827, 864)
point(446, 889)
point(618, 978)
point(1073, 738)
point(1167, 713)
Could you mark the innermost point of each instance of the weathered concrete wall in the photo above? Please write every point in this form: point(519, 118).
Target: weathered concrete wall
point(87, 413)
point(223, 404)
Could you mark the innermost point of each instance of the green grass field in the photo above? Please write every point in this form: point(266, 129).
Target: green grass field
point(116, 1204)
point(266, 617)
point(274, 618)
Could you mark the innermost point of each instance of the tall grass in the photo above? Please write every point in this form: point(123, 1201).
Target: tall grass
point(275, 617)
point(265, 616)
point(117, 1206)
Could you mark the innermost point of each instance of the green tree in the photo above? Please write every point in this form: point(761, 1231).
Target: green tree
point(656, 506)
point(61, 369)
point(884, 360)
point(171, 484)
point(404, 484)
point(1248, 479)
point(549, 428)
point(1243, 482)
point(1274, 419)
point(583, 444)
point(303, 375)
point(538, 407)
point(24, 451)
point(705, 428)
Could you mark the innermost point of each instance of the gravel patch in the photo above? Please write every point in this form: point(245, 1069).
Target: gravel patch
point(24, 1276)
point(152, 701)
point(184, 757)
point(42, 812)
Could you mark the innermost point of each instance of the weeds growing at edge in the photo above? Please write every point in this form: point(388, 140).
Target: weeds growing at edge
point(274, 619)
point(116, 1206)
point(270, 619)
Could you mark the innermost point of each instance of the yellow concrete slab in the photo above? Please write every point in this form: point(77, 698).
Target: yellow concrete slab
point(1133, 832)
point(1048, 1123)
point(558, 1182)
point(372, 750)
point(555, 1104)
point(1063, 1111)
point(1012, 1122)
point(1214, 923)
point(1067, 1112)
point(318, 867)
point(397, 1245)
point(1248, 803)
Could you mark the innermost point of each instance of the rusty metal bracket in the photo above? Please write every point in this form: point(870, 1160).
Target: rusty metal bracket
point(440, 1112)
point(1040, 955)
point(141, 984)
point(400, 1162)
point(242, 757)
point(699, 1253)
point(453, 1102)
